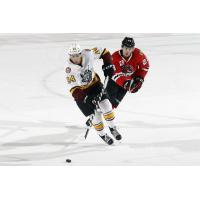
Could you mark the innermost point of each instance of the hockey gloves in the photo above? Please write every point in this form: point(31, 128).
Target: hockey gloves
point(108, 70)
point(133, 85)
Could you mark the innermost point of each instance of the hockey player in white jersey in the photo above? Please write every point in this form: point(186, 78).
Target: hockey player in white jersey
point(87, 89)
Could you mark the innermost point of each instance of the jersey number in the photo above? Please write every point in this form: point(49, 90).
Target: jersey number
point(71, 79)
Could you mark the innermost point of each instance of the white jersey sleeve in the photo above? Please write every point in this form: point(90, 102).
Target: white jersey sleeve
point(71, 78)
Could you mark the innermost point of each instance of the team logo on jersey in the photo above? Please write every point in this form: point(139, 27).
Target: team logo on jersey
point(86, 76)
point(68, 70)
point(127, 69)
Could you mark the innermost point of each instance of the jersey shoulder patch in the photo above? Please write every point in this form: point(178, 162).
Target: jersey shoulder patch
point(68, 70)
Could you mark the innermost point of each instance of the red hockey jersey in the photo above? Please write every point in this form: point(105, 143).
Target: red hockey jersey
point(136, 65)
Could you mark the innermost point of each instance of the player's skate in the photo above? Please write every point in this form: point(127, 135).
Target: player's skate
point(107, 139)
point(115, 133)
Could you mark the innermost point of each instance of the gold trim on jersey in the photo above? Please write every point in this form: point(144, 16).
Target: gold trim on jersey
point(73, 89)
point(94, 80)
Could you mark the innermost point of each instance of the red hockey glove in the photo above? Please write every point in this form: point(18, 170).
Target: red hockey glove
point(134, 85)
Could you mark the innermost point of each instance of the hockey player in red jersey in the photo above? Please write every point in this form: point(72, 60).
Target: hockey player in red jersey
point(130, 68)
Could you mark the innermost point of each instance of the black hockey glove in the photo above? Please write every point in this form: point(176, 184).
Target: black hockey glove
point(134, 85)
point(93, 99)
point(108, 70)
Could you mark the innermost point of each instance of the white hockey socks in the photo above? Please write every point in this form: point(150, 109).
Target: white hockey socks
point(97, 122)
point(108, 113)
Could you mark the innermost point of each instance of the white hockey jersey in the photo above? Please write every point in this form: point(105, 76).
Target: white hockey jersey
point(83, 75)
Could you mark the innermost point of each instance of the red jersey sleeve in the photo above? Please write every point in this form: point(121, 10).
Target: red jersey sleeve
point(143, 64)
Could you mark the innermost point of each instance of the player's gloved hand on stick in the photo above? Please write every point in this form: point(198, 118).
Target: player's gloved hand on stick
point(108, 70)
point(93, 99)
point(134, 85)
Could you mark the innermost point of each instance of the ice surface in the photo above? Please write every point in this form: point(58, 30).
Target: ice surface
point(41, 125)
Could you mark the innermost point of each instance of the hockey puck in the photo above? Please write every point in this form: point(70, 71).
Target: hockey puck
point(68, 160)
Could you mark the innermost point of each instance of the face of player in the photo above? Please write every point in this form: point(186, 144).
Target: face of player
point(127, 51)
point(76, 58)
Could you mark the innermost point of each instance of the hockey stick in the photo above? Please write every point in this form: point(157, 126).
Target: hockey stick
point(89, 121)
point(88, 125)
point(103, 90)
point(130, 85)
point(105, 84)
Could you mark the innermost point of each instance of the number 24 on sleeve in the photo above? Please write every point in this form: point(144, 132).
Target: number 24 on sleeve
point(71, 79)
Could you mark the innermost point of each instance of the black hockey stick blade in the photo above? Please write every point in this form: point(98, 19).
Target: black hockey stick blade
point(88, 126)
point(86, 134)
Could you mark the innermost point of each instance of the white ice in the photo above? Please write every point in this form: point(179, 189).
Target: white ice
point(41, 125)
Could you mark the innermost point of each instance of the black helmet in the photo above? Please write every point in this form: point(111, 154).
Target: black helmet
point(128, 42)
